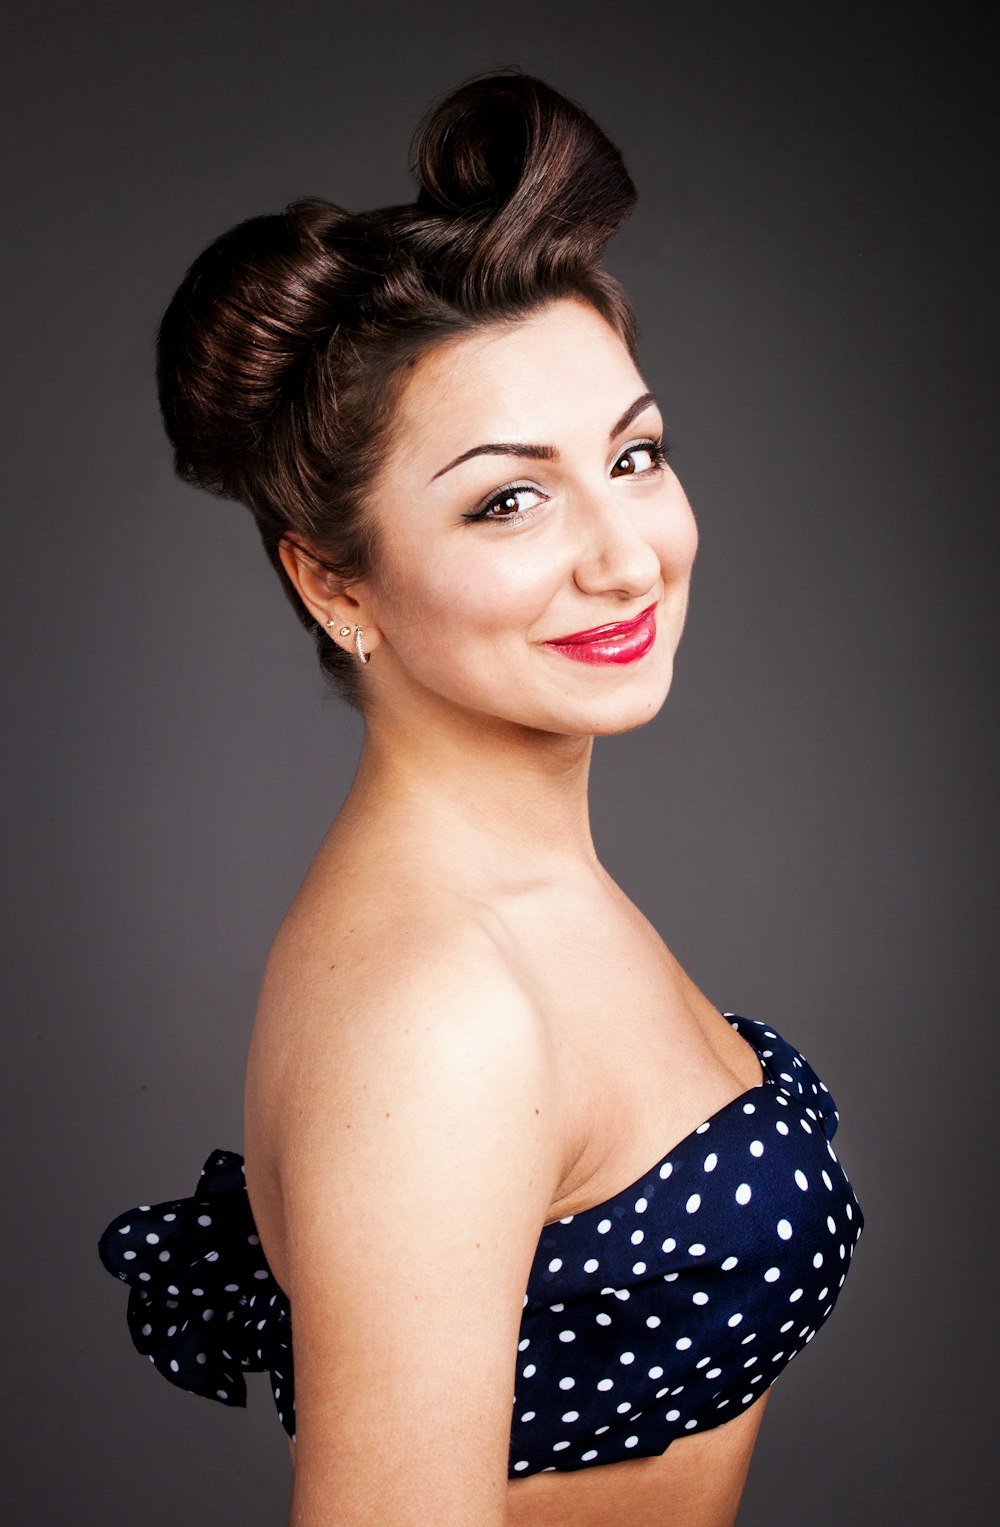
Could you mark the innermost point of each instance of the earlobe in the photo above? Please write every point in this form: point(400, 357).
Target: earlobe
point(319, 588)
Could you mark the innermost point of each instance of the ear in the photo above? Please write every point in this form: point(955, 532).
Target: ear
point(325, 595)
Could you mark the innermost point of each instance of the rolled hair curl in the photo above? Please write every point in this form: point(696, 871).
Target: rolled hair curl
point(283, 353)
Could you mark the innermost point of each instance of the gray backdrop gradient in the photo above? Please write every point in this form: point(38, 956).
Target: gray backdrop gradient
point(809, 821)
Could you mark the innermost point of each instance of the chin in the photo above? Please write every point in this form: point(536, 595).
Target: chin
point(621, 709)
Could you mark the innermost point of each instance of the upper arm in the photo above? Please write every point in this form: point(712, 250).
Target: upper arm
point(416, 1175)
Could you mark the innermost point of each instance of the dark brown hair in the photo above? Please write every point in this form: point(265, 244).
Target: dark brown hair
point(283, 352)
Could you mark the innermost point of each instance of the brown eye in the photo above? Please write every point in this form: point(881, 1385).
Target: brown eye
point(639, 460)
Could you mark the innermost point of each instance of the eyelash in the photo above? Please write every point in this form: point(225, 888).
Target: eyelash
point(658, 449)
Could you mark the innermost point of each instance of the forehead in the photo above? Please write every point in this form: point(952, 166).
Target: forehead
point(561, 371)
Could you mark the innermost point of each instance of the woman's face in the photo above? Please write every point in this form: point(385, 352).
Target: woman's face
point(524, 499)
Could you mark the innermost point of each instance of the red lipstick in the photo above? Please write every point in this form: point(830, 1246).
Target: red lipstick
point(618, 642)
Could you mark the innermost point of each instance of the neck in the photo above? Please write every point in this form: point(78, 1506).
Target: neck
point(482, 791)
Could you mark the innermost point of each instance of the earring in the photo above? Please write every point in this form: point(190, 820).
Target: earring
point(363, 657)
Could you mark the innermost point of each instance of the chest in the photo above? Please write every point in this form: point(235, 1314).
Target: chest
point(673, 1305)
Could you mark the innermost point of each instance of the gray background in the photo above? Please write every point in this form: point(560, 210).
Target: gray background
point(808, 822)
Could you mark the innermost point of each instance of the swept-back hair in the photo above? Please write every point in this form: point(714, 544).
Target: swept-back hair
point(282, 354)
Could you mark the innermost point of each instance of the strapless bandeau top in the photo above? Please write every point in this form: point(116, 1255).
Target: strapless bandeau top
point(663, 1311)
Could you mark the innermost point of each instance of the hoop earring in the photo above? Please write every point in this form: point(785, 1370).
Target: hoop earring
point(363, 657)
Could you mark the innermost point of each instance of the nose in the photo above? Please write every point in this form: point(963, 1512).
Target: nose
point(612, 552)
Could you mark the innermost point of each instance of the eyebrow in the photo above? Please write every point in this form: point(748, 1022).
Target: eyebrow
point(543, 452)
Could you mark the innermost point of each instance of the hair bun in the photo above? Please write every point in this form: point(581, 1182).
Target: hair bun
point(512, 150)
point(247, 317)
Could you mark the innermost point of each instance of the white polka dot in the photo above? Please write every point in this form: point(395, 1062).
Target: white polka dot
point(743, 1194)
point(669, 1245)
point(529, 1415)
point(781, 1127)
point(624, 1407)
point(591, 1264)
point(626, 1358)
point(128, 1256)
point(784, 1229)
point(734, 1320)
point(221, 1394)
point(746, 1399)
point(787, 1326)
point(603, 1227)
point(555, 1264)
point(699, 1298)
point(638, 1268)
point(694, 1203)
point(525, 1342)
point(772, 1275)
point(605, 1384)
point(673, 1415)
point(566, 1383)
point(666, 1169)
point(697, 1250)
point(602, 1319)
point(689, 1426)
point(818, 1259)
point(204, 1219)
point(730, 1263)
point(682, 1343)
point(567, 1336)
point(749, 1108)
point(521, 1464)
point(152, 1238)
point(174, 1365)
point(640, 1206)
point(795, 1294)
point(528, 1370)
point(801, 1179)
point(591, 1453)
point(711, 1161)
point(572, 1415)
point(826, 1178)
point(636, 1237)
point(557, 1447)
point(655, 1373)
point(703, 1127)
point(713, 1373)
point(631, 1441)
point(831, 1224)
point(756, 1147)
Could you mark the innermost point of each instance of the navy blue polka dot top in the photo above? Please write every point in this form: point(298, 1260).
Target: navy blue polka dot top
point(662, 1311)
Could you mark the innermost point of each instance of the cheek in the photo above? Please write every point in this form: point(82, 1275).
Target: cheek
point(679, 545)
point(474, 591)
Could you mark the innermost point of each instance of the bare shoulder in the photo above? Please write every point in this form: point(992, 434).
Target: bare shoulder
point(373, 1020)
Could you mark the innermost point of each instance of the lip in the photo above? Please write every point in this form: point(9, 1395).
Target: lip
point(619, 642)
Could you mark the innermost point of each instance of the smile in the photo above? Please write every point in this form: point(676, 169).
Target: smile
point(616, 644)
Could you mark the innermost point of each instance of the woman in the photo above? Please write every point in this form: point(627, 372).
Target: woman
point(470, 1045)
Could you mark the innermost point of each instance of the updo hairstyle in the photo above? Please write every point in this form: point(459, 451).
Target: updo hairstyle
point(285, 349)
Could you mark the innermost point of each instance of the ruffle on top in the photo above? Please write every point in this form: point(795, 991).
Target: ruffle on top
point(203, 1305)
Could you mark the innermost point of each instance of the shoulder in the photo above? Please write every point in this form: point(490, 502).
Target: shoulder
point(397, 1022)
